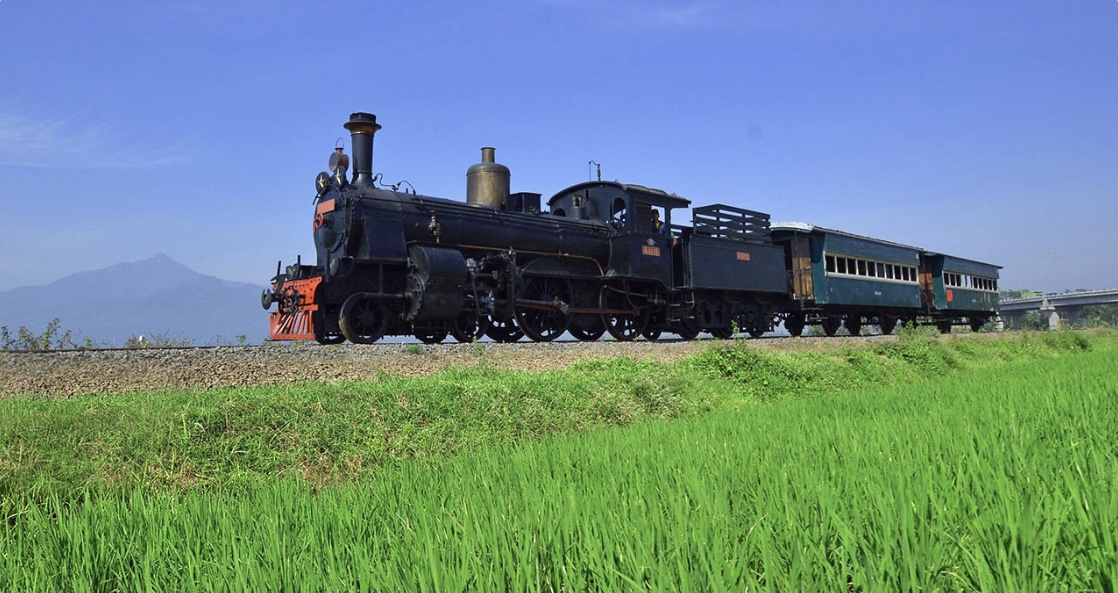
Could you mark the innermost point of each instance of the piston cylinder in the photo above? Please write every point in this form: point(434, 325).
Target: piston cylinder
point(487, 183)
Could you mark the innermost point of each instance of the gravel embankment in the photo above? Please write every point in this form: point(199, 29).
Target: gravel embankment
point(114, 371)
point(98, 372)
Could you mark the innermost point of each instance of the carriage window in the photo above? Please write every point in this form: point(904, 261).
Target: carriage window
point(831, 264)
point(861, 267)
point(842, 265)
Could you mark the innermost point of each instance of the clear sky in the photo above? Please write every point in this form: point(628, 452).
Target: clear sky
point(986, 130)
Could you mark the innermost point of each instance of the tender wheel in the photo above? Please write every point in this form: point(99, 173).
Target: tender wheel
point(831, 325)
point(622, 326)
point(503, 330)
point(431, 335)
point(362, 319)
point(887, 324)
point(795, 325)
point(539, 323)
point(587, 334)
point(468, 327)
point(756, 332)
point(853, 324)
point(722, 333)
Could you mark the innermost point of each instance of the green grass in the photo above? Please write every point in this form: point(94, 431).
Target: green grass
point(1001, 476)
point(231, 439)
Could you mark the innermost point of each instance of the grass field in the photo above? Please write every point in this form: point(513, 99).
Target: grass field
point(921, 464)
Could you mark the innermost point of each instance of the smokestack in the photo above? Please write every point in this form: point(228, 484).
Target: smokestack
point(361, 127)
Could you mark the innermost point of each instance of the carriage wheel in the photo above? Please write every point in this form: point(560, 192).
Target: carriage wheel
point(503, 330)
point(469, 327)
point(539, 323)
point(944, 326)
point(794, 323)
point(831, 325)
point(622, 326)
point(362, 319)
point(853, 324)
point(887, 324)
point(976, 323)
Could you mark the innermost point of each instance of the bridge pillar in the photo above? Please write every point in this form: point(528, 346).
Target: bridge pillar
point(1046, 308)
point(1071, 315)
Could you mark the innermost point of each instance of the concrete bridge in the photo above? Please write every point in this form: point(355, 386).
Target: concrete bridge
point(1059, 309)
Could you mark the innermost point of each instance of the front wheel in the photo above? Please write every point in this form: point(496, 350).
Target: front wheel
point(363, 319)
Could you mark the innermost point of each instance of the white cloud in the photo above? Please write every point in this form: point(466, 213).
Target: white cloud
point(72, 143)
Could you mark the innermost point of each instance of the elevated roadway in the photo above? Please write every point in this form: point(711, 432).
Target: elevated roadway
point(1060, 309)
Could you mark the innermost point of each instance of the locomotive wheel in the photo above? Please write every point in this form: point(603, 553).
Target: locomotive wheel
point(853, 324)
point(651, 334)
point(587, 334)
point(544, 324)
point(622, 326)
point(431, 335)
point(503, 330)
point(887, 324)
point(831, 325)
point(722, 333)
point(362, 319)
point(466, 327)
point(757, 331)
point(794, 323)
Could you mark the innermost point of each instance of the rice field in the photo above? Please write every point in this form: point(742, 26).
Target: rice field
point(996, 479)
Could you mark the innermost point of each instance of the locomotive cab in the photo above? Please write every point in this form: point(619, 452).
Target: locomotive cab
point(639, 218)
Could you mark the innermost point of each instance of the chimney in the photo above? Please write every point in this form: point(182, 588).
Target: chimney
point(361, 127)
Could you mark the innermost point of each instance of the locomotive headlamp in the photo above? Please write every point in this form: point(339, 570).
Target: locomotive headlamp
point(322, 182)
point(339, 159)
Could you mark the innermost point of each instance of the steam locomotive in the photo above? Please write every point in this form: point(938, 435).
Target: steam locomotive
point(599, 257)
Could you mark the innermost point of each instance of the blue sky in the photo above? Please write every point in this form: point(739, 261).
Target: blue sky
point(987, 130)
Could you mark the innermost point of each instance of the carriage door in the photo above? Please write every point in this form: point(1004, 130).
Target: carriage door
point(800, 255)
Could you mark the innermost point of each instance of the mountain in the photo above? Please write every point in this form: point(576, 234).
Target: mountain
point(155, 296)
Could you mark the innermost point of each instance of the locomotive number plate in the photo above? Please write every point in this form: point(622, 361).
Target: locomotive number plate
point(743, 256)
point(650, 250)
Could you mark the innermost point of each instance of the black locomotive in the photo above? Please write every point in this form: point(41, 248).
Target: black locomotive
point(598, 257)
